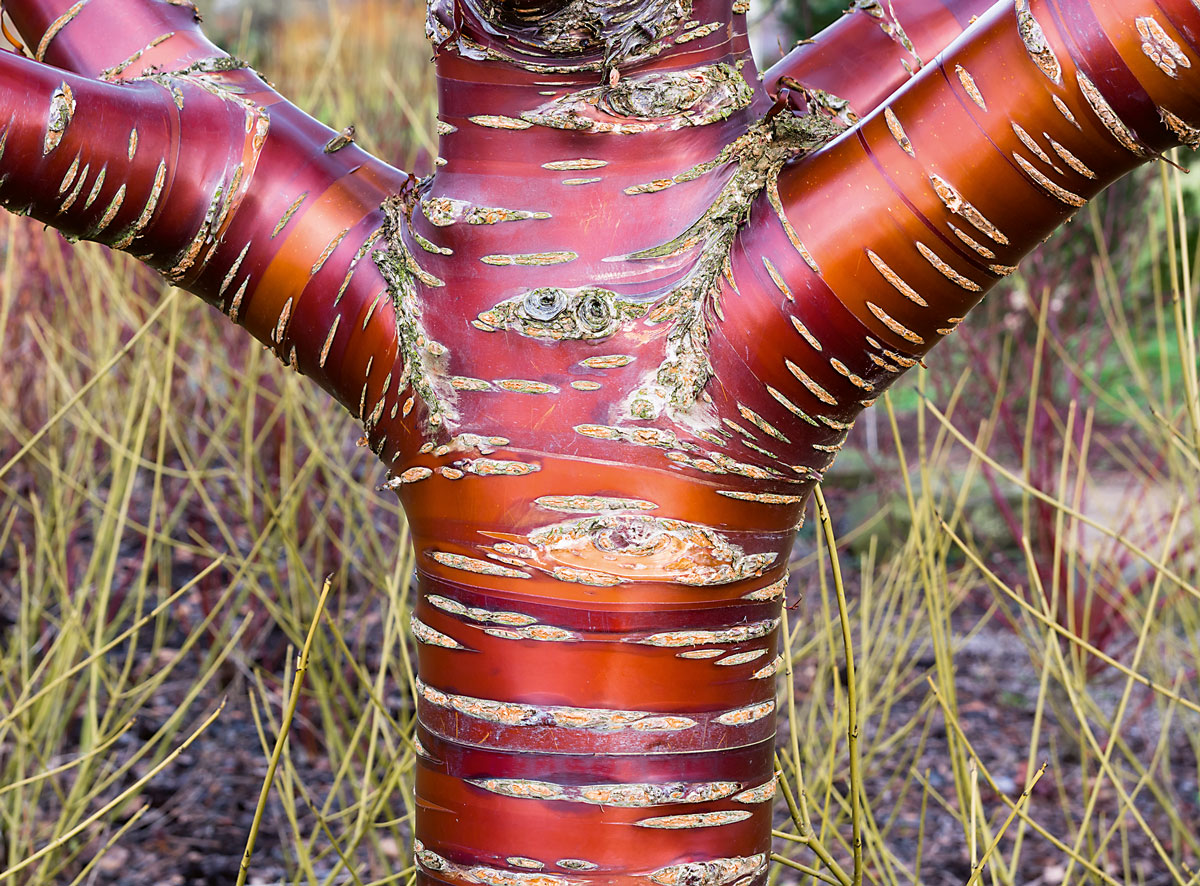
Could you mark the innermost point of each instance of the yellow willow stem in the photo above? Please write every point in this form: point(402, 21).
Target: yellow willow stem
point(804, 869)
point(91, 383)
point(123, 797)
point(1024, 798)
point(65, 767)
point(1118, 537)
point(956, 727)
point(280, 740)
point(1063, 632)
point(807, 834)
point(856, 799)
point(112, 841)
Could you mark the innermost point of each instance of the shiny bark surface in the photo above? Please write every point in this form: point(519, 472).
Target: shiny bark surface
point(137, 132)
point(610, 345)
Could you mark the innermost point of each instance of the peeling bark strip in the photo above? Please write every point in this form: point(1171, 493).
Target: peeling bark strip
point(514, 726)
point(62, 109)
point(55, 26)
point(718, 872)
point(605, 380)
point(488, 876)
point(625, 796)
point(514, 714)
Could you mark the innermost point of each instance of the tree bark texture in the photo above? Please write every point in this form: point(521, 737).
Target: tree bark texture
point(610, 345)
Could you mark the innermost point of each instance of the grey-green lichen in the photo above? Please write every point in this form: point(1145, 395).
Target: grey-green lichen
point(594, 313)
point(62, 109)
point(674, 387)
point(590, 313)
point(555, 314)
point(1036, 44)
point(675, 99)
point(425, 360)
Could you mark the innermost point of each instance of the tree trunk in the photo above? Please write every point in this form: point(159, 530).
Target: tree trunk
point(609, 347)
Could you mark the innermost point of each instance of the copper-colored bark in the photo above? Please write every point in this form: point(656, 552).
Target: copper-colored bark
point(625, 327)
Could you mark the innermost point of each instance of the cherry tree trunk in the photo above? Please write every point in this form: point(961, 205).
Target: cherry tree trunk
point(608, 347)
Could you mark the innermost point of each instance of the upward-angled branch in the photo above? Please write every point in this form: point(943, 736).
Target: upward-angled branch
point(106, 39)
point(162, 145)
point(865, 254)
point(873, 49)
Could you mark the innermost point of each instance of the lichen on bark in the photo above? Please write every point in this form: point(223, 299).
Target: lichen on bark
point(425, 360)
point(674, 387)
point(657, 100)
point(556, 314)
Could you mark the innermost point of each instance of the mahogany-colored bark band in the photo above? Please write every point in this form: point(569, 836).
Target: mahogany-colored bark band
point(609, 346)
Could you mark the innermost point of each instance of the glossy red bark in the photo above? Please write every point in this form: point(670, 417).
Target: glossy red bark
point(867, 54)
point(228, 145)
point(629, 327)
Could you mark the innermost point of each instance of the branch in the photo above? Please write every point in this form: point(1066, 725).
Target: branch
point(873, 49)
point(99, 161)
point(194, 164)
point(889, 235)
point(106, 39)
